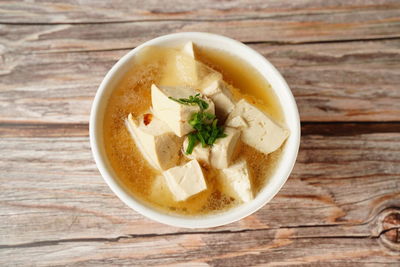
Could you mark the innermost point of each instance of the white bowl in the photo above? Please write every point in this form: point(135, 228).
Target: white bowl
point(253, 58)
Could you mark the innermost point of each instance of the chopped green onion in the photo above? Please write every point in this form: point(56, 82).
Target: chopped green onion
point(192, 100)
point(201, 138)
point(191, 144)
point(205, 125)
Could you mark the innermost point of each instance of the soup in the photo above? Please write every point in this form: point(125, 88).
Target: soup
point(133, 96)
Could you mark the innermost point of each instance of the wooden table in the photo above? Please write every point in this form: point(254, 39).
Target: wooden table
point(341, 205)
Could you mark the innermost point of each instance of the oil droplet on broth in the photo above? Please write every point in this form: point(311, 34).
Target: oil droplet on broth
point(132, 95)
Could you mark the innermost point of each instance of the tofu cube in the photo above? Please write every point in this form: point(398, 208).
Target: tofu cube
point(174, 114)
point(237, 182)
point(188, 49)
point(262, 132)
point(158, 144)
point(237, 122)
point(181, 68)
point(223, 148)
point(216, 89)
point(199, 153)
point(186, 180)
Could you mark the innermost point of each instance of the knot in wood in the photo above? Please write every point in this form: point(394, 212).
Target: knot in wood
point(390, 229)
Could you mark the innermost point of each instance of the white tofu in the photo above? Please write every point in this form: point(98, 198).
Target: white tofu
point(186, 180)
point(237, 122)
point(216, 89)
point(223, 148)
point(158, 144)
point(199, 153)
point(262, 133)
point(188, 49)
point(181, 68)
point(174, 114)
point(237, 182)
point(186, 65)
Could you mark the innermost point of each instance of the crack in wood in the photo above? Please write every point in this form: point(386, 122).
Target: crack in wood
point(375, 217)
point(349, 128)
point(134, 236)
point(269, 42)
point(386, 38)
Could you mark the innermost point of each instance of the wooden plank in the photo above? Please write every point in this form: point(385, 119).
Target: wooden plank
point(321, 27)
point(43, 130)
point(90, 12)
point(343, 129)
point(340, 186)
point(355, 81)
point(281, 247)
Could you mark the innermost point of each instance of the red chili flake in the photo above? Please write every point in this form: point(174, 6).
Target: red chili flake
point(147, 118)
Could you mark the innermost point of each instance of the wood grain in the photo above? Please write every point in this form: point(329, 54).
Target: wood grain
point(70, 11)
point(284, 246)
point(341, 205)
point(355, 81)
point(46, 130)
point(380, 24)
point(48, 194)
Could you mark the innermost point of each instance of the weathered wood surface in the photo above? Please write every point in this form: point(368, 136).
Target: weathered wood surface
point(59, 202)
point(351, 81)
point(324, 27)
point(69, 11)
point(284, 246)
point(341, 205)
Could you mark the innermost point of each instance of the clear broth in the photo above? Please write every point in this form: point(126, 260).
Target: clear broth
point(132, 95)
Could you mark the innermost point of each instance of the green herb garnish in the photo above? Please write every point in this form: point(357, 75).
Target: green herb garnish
point(206, 131)
point(192, 143)
point(192, 100)
point(205, 125)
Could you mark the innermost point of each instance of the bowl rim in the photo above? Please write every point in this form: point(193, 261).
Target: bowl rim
point(263, 197)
